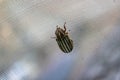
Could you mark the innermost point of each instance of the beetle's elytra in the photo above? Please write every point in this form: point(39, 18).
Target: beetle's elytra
point(63, 40)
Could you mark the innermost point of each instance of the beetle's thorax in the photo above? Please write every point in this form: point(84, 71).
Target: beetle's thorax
point(59, 32)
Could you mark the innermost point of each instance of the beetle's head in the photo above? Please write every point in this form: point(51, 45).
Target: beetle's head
point(59, 31)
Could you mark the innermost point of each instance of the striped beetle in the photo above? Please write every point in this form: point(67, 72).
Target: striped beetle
point(63, 40)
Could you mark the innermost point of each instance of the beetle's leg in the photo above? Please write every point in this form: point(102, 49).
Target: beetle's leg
point(67, 32)
point(53, 37)
point(64, 27)
point(71, 41)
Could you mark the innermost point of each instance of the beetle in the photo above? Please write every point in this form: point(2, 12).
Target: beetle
point(63, 40)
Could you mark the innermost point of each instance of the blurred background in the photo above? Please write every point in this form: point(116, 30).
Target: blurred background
point(27, 51)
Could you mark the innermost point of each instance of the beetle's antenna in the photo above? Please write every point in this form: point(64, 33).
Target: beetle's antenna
point(57, 26)
point(65, 26)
